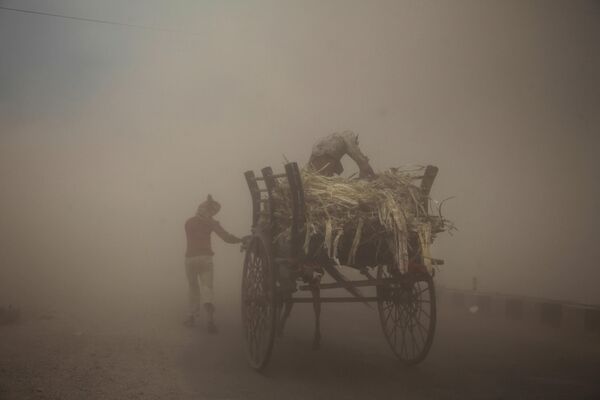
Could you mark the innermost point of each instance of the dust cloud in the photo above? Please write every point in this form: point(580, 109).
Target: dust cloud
point(112, 134)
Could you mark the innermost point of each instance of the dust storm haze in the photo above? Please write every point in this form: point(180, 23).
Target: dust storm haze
point(118, 118)
point(112, 134)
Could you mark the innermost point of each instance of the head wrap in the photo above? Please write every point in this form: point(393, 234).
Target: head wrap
point(208, 208)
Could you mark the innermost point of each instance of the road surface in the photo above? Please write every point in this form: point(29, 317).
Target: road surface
point(129, 353)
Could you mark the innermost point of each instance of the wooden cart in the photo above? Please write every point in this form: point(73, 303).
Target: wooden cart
point(273, 273)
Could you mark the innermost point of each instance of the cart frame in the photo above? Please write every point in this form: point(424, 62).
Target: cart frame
point(271, 278)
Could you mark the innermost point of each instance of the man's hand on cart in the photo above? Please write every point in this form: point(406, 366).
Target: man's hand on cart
point(245, 243)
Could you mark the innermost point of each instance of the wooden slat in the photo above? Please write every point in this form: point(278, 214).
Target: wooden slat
point(294, 232)
point(428, 178)
point(426, 184)
point(255, 195)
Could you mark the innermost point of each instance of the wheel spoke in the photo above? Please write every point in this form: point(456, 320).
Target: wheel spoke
point(404, 349)
point(422, 331)
point(395, 326)
point(389, 314)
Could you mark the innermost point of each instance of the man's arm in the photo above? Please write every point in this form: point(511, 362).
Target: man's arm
point(359, 158)
point(226, 236)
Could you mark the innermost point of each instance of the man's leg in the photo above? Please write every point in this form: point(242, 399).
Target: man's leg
point(206, 279)
point(191, 271)
point(210, 311)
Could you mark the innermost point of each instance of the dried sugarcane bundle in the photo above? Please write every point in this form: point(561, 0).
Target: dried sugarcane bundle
point(390, 204)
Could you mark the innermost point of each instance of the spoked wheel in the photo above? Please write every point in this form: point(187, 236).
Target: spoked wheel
point(258, 303)
point(407, 312)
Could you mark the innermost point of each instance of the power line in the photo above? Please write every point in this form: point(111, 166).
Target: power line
point(97, 21)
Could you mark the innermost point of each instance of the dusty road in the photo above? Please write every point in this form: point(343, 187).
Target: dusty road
point(130, 353)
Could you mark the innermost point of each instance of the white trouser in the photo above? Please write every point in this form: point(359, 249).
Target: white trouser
point(199, 268)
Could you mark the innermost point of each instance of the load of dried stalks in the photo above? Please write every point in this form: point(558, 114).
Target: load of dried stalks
point(335, 206)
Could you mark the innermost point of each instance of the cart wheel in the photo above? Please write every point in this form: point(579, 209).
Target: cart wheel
point(407, 312)
point(258, 303)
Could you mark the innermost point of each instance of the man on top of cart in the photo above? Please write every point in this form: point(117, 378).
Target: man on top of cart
point(199, 258)
point(327, 154)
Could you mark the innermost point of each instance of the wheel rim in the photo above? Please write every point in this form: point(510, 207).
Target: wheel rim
point(258, 304)
point(407, 312)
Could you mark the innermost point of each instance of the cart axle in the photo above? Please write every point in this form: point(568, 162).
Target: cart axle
point(332, 300)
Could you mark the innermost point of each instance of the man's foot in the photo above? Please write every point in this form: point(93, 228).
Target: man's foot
point(190, 322)
point(211, 327)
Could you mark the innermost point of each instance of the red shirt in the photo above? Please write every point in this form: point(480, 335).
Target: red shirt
point(198, 230)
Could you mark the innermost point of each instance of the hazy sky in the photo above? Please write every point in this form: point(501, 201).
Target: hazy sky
point(111, 134)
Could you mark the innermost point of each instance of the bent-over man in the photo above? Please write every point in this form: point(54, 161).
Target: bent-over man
point(327, 154)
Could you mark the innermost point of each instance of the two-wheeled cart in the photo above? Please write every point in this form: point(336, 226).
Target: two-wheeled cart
point(274, 272)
